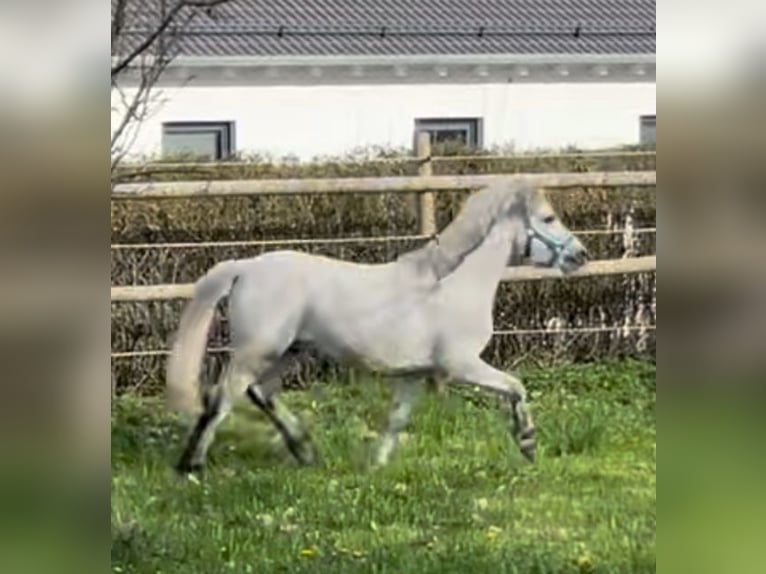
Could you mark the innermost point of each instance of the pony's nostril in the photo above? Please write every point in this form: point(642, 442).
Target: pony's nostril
point(579, 257)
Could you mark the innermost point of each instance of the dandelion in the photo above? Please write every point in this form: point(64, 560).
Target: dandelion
point(492, 532)
point(585, 563)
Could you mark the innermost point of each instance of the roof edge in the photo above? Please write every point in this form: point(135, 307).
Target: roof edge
point(425, 59)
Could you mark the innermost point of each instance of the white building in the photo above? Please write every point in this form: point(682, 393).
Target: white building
point(306, 79)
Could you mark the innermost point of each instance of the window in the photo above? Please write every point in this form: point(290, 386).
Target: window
point(464, 132)
point(201, 141)
point(648, 130)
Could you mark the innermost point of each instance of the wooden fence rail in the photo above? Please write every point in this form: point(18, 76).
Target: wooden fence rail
point(398, 184)
point(595, 268)
point(167, 166)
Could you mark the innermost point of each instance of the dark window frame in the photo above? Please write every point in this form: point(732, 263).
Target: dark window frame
point(223, 130)
point(472, 126)
point(645, 124)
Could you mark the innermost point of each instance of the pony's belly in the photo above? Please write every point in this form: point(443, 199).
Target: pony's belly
point(371, 321)
point(393, 350)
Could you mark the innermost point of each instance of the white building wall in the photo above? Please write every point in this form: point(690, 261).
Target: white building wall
point(309, 121)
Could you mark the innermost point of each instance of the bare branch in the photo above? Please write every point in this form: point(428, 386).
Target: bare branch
point(148, 60)
point(165, 22)
point(148, 41)
point(118, 21)
point(135, 108)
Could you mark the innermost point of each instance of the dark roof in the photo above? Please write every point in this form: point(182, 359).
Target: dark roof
point(417, 27)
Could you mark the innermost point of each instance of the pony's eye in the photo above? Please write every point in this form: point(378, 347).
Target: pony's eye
point(549, 219)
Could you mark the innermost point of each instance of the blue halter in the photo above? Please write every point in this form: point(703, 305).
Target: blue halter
point(557, 247)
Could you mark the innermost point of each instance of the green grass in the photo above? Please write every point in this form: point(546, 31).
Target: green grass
point(457, 496)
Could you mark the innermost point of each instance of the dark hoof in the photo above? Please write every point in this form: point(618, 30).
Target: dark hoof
point(528, 444)
point(184, 468)
point(305, 456)
point(306, 461)
point(529, 454)
point(302, 450)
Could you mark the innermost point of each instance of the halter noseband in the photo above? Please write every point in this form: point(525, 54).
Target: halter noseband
point(557, 247)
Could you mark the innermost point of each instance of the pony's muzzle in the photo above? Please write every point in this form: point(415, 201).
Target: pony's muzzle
point(577, 257)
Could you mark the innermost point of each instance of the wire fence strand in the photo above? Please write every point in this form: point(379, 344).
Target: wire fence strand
point(502, 332)
point(267, 242)
point(336, 240)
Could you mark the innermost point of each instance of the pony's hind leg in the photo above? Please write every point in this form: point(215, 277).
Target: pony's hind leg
point(289, 426)
point(479, 373)
point(217, 405)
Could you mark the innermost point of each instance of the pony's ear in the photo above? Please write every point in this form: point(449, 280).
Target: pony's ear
point(532, 194)
point(519, 200)
point(518, 246)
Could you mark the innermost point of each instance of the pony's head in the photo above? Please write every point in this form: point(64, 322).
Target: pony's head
point(546, 241)
point(537, 235)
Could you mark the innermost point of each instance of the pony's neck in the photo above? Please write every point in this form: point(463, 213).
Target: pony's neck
point(444, 254)
point(484, 267)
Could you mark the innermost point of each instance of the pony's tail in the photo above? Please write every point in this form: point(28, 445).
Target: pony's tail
point(185, 361)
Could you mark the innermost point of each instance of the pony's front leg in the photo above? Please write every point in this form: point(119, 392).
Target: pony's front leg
point(479, 373)
point(406, 394)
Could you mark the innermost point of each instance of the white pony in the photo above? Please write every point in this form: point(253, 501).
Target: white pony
point(427, 314)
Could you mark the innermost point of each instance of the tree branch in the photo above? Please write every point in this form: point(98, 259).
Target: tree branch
point(162, 27)
point(150, 58)
point(148, 41)
point(118, 22)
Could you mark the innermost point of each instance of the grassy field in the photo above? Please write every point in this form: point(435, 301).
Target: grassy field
point(456, 498)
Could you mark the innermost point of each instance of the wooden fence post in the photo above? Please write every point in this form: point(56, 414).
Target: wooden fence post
point(426, 206)
point(427, 219)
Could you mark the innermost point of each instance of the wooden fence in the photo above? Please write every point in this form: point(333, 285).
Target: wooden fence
point(394, 184)
point(425, 184)
point(165, 167)
point(595, 268)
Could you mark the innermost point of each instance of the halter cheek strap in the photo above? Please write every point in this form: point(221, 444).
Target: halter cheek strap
point(557, 247)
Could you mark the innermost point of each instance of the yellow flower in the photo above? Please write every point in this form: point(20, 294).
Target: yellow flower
point(585, 563)
point(492, 532)
point(308, 552)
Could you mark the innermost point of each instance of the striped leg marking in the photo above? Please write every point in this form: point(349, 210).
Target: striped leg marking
point(295, 436)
